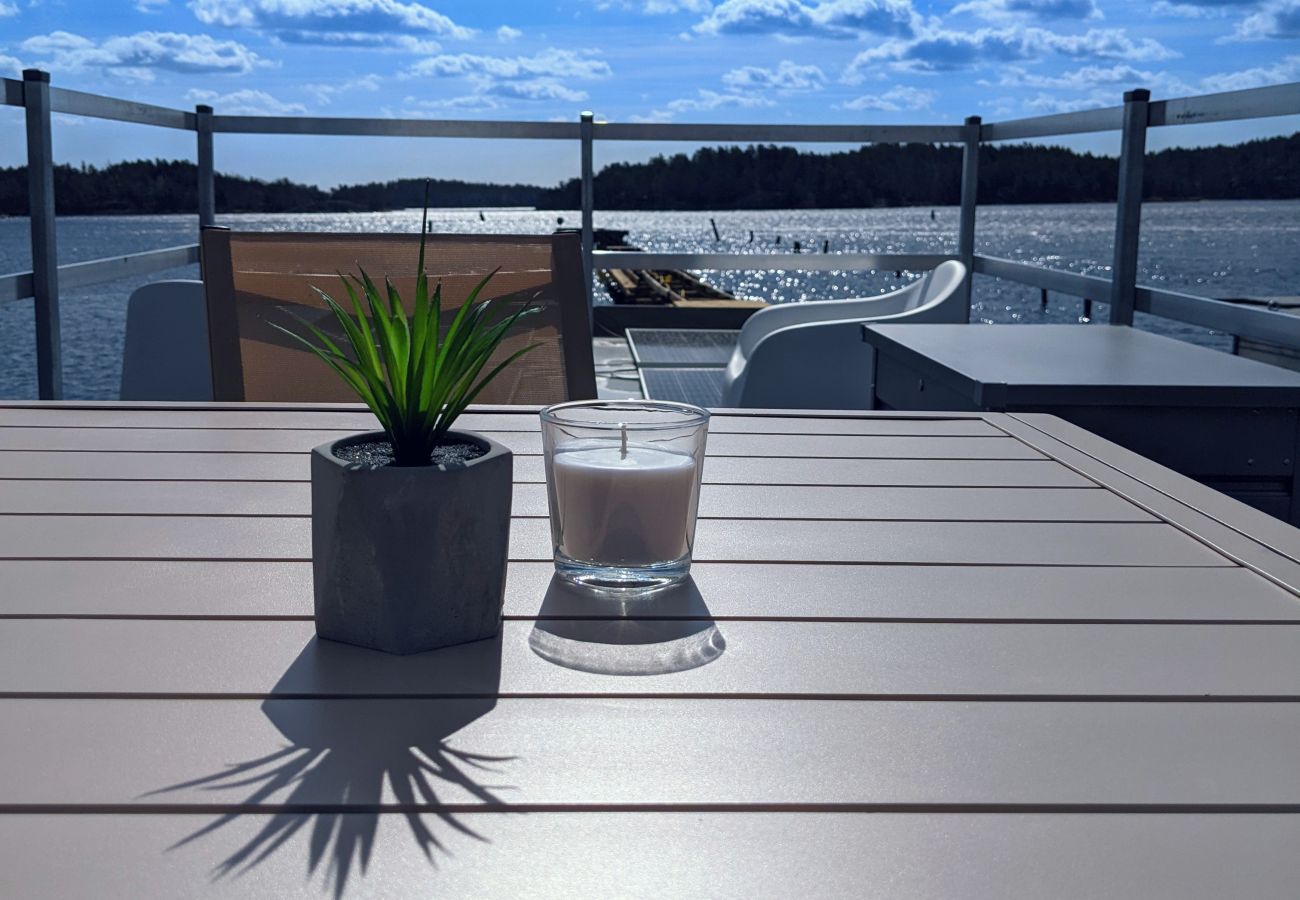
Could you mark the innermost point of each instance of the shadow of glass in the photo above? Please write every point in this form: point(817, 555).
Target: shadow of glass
point(616, 633)
point(347, 758)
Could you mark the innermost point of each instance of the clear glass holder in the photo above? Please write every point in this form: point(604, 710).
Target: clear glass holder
point(623, 486)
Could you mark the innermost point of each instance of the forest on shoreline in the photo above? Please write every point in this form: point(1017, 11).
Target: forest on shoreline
point(755, 177)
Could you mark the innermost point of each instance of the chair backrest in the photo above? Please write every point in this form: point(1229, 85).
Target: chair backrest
point(940, 281)
point(938, 284)
point(254, 279)
point(819, 361)
point(165, 356)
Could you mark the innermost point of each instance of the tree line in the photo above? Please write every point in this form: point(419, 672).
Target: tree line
point(171, 186)
point(755, 177)
point(770, 177)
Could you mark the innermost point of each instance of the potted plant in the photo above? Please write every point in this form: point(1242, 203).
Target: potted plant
point(411, 524)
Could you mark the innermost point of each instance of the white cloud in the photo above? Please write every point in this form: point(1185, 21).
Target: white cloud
point(811, 18)
point(1200, 9)
point(1001, 10)
point(11, 67)
point(787, 76)
point(537, 77)
point(894, 99)
point(7, 10)
point(478, 102)
point(657, 7)
point(325, 93)
point(1279, 19)
point(361, 22)
point(1046, 104)
point(506, 34)
point(1093, 77)
point(245, 103)
point(136, 55)
point(939, 50)
point(706, 100)
point(548, 63)
point(663, 7)
point(534, 89)
point(1260, 76)
point(150, 6)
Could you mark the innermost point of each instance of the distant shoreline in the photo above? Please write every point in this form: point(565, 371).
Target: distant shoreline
point(477, 209)
point(876, 176)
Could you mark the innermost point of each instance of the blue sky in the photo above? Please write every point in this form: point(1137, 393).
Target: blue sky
point(818, 61)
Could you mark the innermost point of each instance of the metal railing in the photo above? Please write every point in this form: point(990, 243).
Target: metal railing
point(1124, 296)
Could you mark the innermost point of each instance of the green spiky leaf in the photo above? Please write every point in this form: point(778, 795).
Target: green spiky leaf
point(414, 377)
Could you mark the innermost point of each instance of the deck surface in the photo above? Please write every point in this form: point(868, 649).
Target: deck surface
point(940, 655)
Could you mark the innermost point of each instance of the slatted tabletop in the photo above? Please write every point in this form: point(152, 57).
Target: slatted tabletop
point(946, 655)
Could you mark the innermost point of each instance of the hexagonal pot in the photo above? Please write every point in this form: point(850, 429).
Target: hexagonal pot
point(410, 558)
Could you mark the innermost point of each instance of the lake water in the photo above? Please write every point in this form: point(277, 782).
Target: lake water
point(1221, 248)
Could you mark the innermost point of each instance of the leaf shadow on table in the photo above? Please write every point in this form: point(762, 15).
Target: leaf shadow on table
point(348, 756)
point(626, 632)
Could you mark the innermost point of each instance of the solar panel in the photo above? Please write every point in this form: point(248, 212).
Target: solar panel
point(703, 387)
point(693, 348)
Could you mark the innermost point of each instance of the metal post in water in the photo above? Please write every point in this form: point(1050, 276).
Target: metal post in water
point(970, 156)
point(45, 256)
point(586, 134)
point(207, 176)
point(1128, 212)
point(1042, 299)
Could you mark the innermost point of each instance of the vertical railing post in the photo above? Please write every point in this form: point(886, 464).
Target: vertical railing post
point(1128, 213)
point(207, 176)
point(45, 256)
point(970, 156)
point(586, 133)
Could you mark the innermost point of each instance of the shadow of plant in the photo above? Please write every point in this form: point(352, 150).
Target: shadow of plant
point(348, 759)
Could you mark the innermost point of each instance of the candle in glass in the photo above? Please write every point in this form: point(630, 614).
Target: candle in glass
point(623, 484)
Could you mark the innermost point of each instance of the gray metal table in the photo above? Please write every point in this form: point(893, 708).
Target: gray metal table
point(972, 655)
point(1229, 422)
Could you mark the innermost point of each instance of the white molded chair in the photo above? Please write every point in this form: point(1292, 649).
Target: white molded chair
point(811, 355)
point(165, 356)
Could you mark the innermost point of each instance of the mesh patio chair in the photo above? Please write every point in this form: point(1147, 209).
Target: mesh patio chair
point(253, 279)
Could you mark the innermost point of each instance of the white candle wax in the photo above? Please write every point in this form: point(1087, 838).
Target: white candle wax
point(623, 504)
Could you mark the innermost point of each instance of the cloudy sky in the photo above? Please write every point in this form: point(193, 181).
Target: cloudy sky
point(816, 61)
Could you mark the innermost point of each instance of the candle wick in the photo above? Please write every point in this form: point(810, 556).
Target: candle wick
point(622, 449)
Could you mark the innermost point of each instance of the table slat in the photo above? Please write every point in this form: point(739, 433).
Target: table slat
point(818, 446)
point(244, 498)
point(47, 656)
point(640, 856)
point(528, 469)
point(305, 419)
point(724, 540)
point(207, 589)
point(630, 752)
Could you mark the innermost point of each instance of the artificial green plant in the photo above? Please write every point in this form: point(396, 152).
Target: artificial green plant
point(416, 379)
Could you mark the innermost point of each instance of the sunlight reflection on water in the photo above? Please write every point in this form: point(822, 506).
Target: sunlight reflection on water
point(1213, 248)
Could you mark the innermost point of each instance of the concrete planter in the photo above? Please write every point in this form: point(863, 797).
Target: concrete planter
point(407, 559)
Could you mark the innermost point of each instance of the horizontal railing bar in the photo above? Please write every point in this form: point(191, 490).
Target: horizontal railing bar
point(111, 268)
point(77, 103)
point(1244, 321)
point(18, 286)
point(450, 128)
point(1082, 122)
point(804, 262)
point(841, 134)
point(1090, 287)
point(13, 92)
point(1255, 103)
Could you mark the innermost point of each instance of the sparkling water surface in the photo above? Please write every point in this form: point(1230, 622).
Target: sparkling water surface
point(1211, 248)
